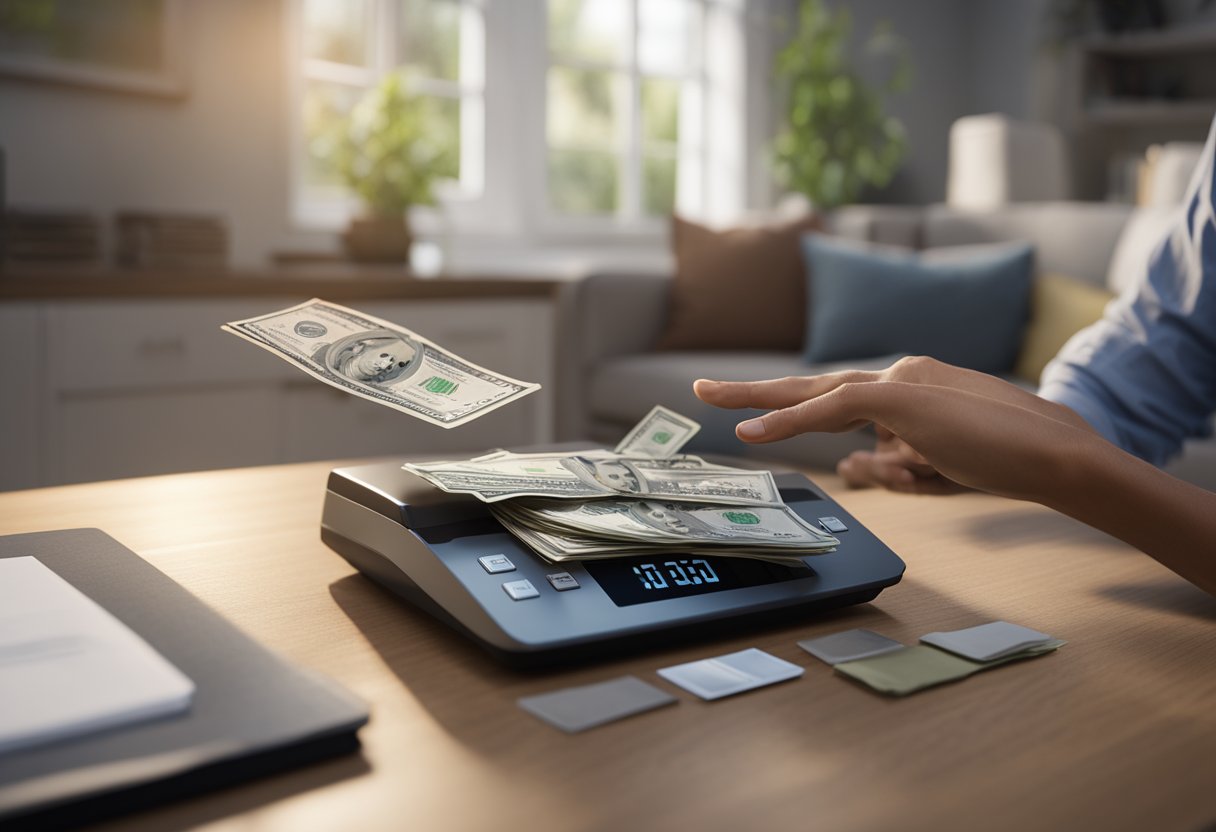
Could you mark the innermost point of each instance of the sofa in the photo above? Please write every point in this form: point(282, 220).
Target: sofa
point(610, 373)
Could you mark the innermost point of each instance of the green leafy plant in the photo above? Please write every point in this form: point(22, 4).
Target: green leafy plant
point(394, 147)
point(836, 139)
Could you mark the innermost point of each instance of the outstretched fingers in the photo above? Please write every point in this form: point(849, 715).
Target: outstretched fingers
point(847, 407)
point(776, 393)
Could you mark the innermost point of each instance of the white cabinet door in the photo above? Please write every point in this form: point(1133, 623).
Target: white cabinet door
point(133, 387)
point(138, 387)
point(21, 392)
point(131, 434)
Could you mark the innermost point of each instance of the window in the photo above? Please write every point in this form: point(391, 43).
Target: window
point(577, 120)
point(625, 107)
point(346, 47)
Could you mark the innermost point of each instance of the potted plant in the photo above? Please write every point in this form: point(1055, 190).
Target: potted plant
point(835, 138)
point(392, 151)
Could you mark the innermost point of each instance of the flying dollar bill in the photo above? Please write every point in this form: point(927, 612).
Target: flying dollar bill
point(600, 474)
point(380, 361)
point(661, 433)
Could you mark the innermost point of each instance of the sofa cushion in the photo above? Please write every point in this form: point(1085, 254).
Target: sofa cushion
point(1072, 238)
point(968, 311)
point(1060, 307)
point(741, 289)
point(1144, 233)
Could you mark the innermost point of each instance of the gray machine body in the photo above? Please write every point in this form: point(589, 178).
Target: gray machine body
point(424, 545)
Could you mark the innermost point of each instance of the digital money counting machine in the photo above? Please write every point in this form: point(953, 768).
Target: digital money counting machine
point(448, 555)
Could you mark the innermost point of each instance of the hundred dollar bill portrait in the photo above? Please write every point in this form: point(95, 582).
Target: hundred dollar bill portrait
point(377, 357)
point(670, 518)
point(615, 474)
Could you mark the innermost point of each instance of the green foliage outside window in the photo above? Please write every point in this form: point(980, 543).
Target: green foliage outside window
point(395, 146)
point(835, 139)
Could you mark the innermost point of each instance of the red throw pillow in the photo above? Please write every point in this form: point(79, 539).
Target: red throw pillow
point(741, 289)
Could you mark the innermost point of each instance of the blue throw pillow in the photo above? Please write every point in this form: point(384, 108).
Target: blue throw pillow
point(966, 310)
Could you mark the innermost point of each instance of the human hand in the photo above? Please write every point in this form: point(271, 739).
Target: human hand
point(945, 426)
point(893, 465)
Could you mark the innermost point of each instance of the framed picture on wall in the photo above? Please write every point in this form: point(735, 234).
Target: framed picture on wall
point(130, 46)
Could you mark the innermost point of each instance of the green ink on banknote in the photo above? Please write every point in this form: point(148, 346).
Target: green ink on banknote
point(441, 386)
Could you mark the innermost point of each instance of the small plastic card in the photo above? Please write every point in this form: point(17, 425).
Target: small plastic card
point(579, 708)
point(731, 674)
point(848, 646)
point(987, 641)
point(921, 666)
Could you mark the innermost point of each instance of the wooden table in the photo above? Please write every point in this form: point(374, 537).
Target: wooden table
point(1115, 731)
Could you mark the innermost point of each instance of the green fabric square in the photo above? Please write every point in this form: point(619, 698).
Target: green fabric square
point(921, 666)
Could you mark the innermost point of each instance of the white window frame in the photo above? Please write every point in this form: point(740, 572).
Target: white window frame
point(312, 210)
point(511, 213)
point(630, 153)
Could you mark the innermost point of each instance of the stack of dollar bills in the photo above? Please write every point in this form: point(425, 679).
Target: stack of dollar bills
point(642, 498)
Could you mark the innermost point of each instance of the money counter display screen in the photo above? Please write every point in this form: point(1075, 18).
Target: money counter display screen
point(631, 581)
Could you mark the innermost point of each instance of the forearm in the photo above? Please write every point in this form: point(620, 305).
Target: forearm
point(1172, 521)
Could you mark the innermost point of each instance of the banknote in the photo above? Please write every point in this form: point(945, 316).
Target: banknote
point(658, 521)
point(600, 474)
point(661, 433)
point(382, 362)
point(558, 546)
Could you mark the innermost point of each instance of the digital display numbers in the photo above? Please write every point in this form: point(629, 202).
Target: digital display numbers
point(676, 573)
point(640, 580)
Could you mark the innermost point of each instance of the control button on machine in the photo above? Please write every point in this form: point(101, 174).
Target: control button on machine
point(519, 590)
point(561, 581)
point(833, 524)
point(496, 563)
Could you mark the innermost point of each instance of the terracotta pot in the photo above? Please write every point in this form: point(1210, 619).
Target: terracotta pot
point(378, 240)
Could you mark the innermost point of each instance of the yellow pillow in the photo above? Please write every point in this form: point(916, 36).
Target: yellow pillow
point(1059, 307)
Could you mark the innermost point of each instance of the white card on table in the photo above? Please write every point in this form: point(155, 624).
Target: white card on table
point(68, 667)
point(730, 674)
point(986, 642)
point(848, 646)
point(579, 708)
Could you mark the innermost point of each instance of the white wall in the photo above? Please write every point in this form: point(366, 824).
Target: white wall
point(220, 149)
point(936, 33)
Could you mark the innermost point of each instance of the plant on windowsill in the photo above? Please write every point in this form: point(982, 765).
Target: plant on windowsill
point(390, 154)
point(835, 138)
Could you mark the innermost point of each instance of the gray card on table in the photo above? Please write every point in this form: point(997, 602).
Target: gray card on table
point(848, 646)
point(987, 641)
point(730, 674)
point(579, 708)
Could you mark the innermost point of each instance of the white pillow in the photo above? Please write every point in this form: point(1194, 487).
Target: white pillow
point(1144, 232)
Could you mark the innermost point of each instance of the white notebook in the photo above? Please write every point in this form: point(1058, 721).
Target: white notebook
point(68, 667)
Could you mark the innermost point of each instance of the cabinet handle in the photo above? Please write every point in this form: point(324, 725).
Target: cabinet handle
point(169, 345)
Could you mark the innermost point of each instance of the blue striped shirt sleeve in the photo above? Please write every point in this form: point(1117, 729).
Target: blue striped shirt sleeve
point(1145, 375)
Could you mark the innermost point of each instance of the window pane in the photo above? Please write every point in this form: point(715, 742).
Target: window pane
point(443, 124)
point(336, 30)
point(429, 37)
point(582, 182)
point(669, 35)
point(326, 107)
point(659, 184)
point(584, 107)
point(661, 110)
point(590, 30)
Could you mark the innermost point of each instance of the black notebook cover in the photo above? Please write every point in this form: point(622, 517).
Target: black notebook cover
point(253, 713)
